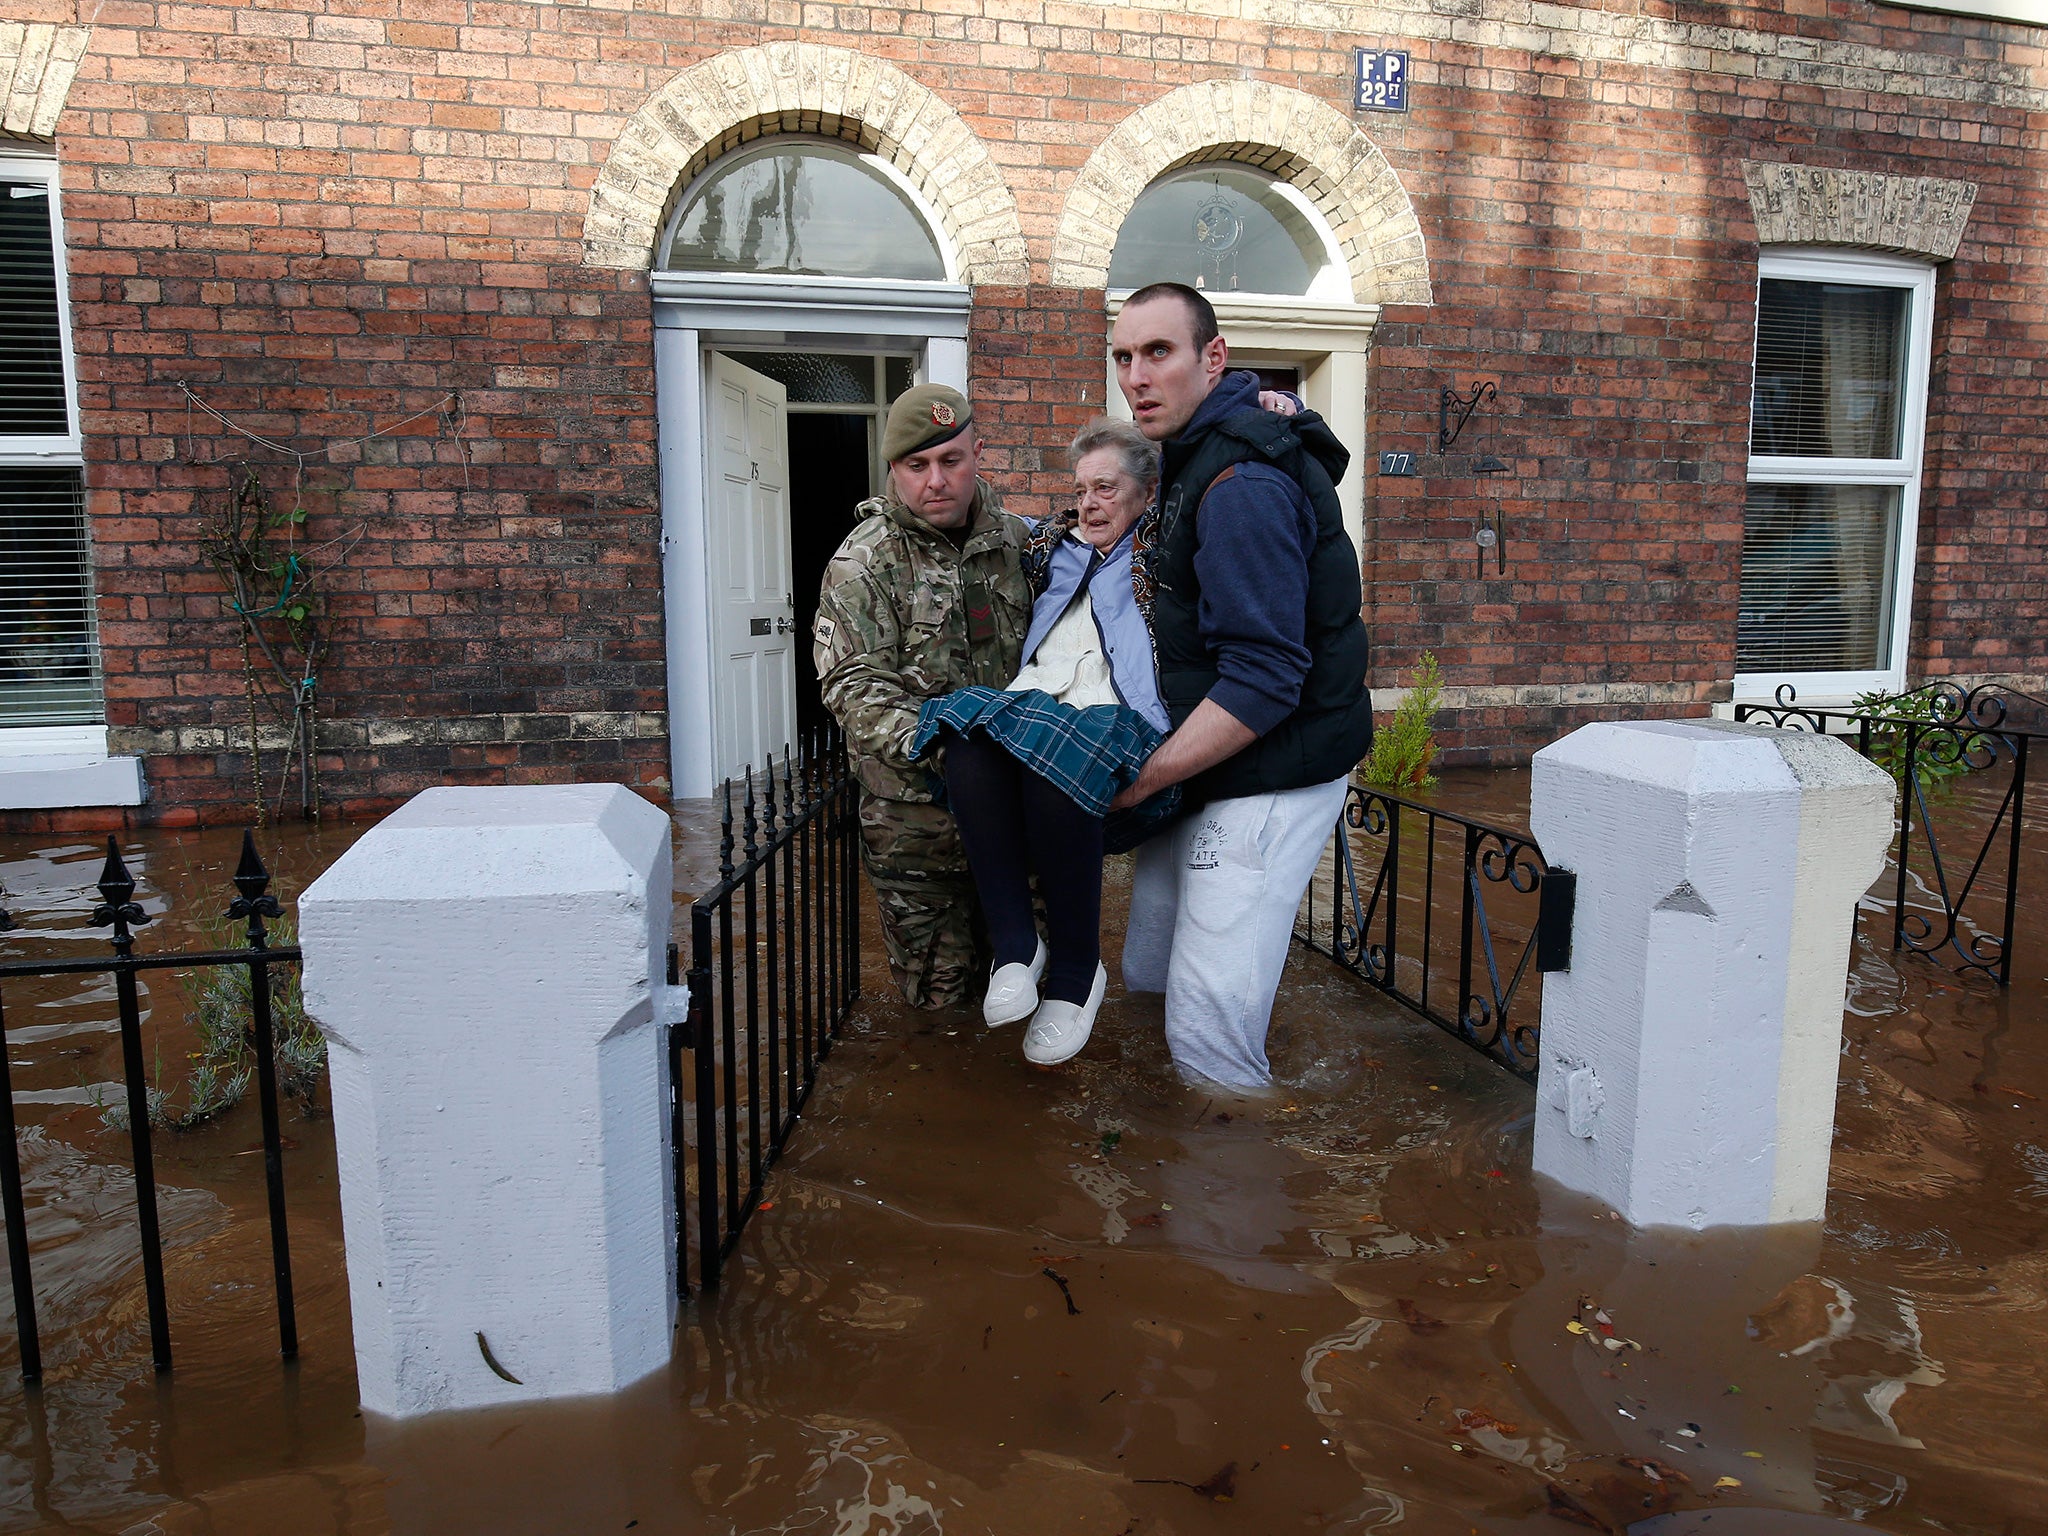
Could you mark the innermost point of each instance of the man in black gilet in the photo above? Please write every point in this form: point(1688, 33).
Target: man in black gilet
point(1262, 659)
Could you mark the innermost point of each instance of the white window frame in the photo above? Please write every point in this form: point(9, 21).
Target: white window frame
point(62, 750)
point(22, 163)
point(1820, 265)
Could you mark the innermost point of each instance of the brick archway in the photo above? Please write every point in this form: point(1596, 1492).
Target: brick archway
point(1302, 140)
point(726, 101)
point(38, 61)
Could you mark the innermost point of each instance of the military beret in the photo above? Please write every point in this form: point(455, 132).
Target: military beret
point(923, 418)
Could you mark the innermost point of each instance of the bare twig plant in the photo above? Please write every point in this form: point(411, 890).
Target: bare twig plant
point(273, 591)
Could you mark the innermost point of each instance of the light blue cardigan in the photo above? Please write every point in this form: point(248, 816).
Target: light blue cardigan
point(1126, 639)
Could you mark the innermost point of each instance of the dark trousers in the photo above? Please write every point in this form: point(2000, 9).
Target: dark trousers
point(1015, 824)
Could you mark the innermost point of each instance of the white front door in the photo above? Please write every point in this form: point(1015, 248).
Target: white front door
point(753, 621)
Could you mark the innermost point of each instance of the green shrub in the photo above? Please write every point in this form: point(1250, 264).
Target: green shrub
point(1939, 757)
point(1404, 749)
point(224, 1066)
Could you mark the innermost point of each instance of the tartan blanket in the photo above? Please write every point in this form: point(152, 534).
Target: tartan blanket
point(1088, 754)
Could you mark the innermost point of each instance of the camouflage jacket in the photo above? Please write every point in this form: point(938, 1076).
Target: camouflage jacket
point(903, 616)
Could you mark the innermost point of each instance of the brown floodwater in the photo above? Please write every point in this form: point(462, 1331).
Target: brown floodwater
point(981, 1297)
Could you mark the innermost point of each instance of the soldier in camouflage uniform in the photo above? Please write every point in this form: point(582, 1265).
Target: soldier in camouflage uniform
point(926, 595)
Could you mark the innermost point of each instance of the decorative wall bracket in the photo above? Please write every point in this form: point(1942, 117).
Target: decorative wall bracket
point(1450, 400)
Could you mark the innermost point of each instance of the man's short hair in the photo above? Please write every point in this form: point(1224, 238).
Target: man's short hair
point(1201, 314)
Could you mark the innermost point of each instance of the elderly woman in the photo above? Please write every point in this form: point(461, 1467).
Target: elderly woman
point(1030, 770)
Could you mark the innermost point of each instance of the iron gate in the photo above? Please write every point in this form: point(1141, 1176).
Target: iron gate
point(774, 972)
point(1389, 909)
point(1928, 740)
point(118, 910)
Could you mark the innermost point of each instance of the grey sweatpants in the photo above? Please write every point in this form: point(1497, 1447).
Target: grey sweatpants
point(1212, 913)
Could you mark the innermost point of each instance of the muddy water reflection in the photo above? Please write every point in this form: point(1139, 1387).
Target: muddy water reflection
point(988, 1299)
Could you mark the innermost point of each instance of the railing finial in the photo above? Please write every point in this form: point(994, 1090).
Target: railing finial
point(252, 880)
point(747, 823)
point(117, 890)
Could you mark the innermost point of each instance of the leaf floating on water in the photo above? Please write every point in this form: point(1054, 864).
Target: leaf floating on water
point(1560, 1505)
point(1575, 1326)
point(1754, 1455)
point(1222, 1486)
point(1727, 1482)
point(1478, 1418)
point(1060, 1280)
point(1417, 1320)
point(1655, 1470)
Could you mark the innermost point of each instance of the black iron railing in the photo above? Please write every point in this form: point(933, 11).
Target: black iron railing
point(1409, 913)
point(774, 971)
point(119, 911)
point(1929, 740)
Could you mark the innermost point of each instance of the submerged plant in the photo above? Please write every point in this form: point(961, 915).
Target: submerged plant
point(224, 1066)
point(1404, 749)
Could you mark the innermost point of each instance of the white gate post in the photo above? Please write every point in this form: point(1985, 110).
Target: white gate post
point(487, 966)
point(1689, 1055)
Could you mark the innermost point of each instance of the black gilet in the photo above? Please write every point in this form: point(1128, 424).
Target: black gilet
point(1330, 729)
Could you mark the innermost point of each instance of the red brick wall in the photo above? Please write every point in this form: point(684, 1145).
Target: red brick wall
point(1594, 253)
point(1037, 365)
point(325, 217)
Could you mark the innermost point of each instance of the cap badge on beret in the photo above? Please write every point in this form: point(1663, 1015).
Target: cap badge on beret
point(942, 414)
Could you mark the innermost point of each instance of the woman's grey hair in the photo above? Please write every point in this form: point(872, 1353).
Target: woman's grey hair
point(1137, 455)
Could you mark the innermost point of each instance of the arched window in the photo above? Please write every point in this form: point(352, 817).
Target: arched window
point(1228, 229)
point(802, 206)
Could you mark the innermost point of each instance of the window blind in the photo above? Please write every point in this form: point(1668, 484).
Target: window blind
point(1817, 564)
point(49, 641)
point(32, 400)
point(1829, 364)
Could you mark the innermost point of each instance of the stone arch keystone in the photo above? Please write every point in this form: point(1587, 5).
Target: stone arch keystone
point(790, 87)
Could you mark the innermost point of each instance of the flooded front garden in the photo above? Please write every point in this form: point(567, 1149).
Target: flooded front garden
point(980, 1297)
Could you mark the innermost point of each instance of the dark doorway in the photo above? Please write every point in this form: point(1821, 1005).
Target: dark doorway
point(828, 478)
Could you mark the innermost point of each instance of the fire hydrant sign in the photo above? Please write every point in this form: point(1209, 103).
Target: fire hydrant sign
point(1382, 80)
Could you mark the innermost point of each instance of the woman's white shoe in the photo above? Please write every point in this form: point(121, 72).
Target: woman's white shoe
point(1059, 1030)
point(1013, 991)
